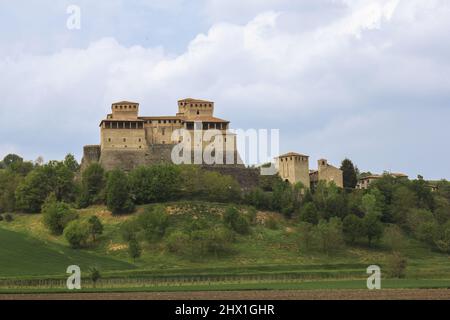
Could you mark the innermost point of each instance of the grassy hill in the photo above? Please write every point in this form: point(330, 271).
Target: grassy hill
point(24, 255)
point(27, 249)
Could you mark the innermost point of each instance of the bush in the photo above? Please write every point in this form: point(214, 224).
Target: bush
point(134, 249)
point(306, 236)
point(397, 265)
point(271, 222)
point(95, 227)
point(353, 228)
point(8, 217)
point(129, 230)
point(118, 197)
point(177, 242)
point(1, 217)
point(153, 222)
point(92, 185)
point(215, 241)
point(56, 215)
point(308, 213)
point(329, 235)
point(77, 233)
point(235, 221)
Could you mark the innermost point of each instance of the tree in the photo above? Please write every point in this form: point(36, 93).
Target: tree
point(118, 197)
point(95, 227)
point(94, 275)
point(306, 236)
point(92, 185)
point(235, 221)
point(10, 159)
point(308, 213)
point(77, 233)
point(56, 215)
point(153, 222)
point(8, 184)
point(349, 174)
point(134, 249)
point(71, 163)
point(329, 235)
point(393, 238)
point(34, 189)
point(373, 228)
point(353, 228)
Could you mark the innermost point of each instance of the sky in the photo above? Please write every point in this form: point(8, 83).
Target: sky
point(363, 79)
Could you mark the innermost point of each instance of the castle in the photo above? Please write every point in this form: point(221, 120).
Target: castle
point(128, 140)
point(294, 167)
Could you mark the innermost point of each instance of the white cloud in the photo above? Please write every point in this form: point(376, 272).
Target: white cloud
point(320, 83)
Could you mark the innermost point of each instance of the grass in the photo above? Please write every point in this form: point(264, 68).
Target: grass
point(22, 255)
point(28, 251)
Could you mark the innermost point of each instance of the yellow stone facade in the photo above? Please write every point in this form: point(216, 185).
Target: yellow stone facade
point(294, 167)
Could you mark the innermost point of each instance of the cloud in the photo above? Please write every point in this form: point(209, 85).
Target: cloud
point(339, 85)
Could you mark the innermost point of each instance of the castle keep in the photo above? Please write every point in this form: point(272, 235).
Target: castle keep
point(294, 167)
point(128, 140)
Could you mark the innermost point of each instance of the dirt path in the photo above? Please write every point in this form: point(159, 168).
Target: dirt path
point(388, 294)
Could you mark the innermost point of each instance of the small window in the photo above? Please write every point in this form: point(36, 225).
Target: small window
point(109, 139)
point(198, 112)
point(140, 139)
point(124, 139)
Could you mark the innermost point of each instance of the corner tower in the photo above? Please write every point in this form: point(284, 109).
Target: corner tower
point(294, 167)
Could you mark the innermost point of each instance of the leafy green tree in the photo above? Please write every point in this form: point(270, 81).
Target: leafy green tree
point(235, 221)
point(423, 194)
point(349, 174)
point(153, 222)
point(118, 197)
point(134, 249)
point(308, 213)
point(403, 200)
point(8, 185)
point(258, 198)
point(353, 228)
point(129, 230)
point(35, 188)
point(56, 215)
point(77, 233)
point(442, 238)
point(393, 238)
point(373, 227)
point(95, 227)
point(329, 235)
point(177, 242)
point(306, 236)
point(92, 185)
point(10, 159)
point(71, 163)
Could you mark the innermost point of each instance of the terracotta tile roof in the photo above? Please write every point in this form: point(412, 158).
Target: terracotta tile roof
point(162, 118)
point(205, 119)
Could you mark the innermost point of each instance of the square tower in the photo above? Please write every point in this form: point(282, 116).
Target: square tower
point(193, 108)
point(294, 167)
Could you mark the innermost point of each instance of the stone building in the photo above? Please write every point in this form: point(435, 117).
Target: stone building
point(326, 172)
point(294, 167)
point(365, 181)
point(128, 140)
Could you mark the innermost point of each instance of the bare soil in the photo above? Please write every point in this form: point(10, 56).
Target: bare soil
point(386, 294)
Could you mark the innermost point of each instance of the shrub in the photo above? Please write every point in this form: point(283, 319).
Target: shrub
point(306, 236)
point(8, 217)
point(177, 242)
point(329, 235)
point(1, 217)
point(153, 222)
point(235, 221)
point(57, 215)
point(134, 249)
point(397, 265)
point(95, 227)
point(353, 228)
point(271, 222)
point(77, 233)
point(308, 213)
point(129, 230)
point(92, 185)
point(94, 275)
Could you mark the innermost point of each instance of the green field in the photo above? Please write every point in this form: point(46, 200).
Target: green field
point(264, 259)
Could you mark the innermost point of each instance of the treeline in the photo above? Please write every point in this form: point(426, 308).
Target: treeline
point(327, 215)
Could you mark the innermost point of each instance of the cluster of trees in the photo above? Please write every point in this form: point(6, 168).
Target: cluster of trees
point(197, 238)
point(359, 216)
